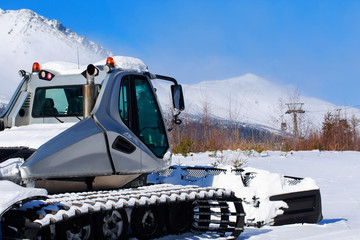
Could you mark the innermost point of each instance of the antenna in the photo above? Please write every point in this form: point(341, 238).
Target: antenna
point(78, 57)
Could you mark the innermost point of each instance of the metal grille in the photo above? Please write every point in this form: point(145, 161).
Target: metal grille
point(216, 171)
point(237, 171)
point(292, 181)
point(200, 172)
point(196, 172)
point(166, 172)
point(27, 101)
point(248, 177)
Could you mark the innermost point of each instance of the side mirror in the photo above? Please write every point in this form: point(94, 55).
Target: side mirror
point(177, 97)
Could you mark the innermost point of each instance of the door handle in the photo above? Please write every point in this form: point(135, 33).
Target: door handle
point(123, 145)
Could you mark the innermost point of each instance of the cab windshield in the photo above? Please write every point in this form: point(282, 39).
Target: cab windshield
point(58, 101)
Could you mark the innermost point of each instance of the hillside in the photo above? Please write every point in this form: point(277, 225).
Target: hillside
point(27, 37)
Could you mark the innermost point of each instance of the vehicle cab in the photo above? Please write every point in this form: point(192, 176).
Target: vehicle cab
point(120, 133)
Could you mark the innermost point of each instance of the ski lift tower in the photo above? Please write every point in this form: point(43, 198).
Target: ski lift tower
point(295, 108)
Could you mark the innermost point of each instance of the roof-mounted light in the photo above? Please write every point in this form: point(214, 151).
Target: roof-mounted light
point(45, 75)
point(110, 65)
point(110, 62)
point(36, 67)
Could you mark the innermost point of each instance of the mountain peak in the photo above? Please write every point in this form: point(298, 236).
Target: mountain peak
point(29, 37)
point(26, 24)
point(250, 75)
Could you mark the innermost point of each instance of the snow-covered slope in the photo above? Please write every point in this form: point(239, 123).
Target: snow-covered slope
point(27, 37)
point(250, 99)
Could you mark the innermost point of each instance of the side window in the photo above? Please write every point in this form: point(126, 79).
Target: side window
point(124, 101)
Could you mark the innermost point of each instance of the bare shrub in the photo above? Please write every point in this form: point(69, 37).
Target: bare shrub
point(338, 133)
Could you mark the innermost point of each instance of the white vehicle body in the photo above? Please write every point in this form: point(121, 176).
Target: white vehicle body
point(106, 149)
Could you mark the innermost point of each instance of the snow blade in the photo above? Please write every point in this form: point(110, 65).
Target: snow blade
point(262, 193)
point(303, 207)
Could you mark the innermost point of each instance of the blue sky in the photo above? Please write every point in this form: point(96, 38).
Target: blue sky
point(312, 45)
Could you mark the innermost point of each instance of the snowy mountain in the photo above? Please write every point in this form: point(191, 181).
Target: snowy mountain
point(251, 100)
point(27, 37)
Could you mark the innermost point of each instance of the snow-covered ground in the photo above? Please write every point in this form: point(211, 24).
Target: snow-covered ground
point(336, 173)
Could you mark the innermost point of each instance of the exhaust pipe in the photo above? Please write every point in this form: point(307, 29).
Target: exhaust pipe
point(89, 90)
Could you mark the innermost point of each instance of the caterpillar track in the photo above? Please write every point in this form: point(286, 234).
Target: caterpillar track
point(149, 212)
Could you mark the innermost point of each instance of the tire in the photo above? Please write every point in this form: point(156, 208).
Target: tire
point(78, 228)
point(146, 222)
point(179, 217)
point(112, 225)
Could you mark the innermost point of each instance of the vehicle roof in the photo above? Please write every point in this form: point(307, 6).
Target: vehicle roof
point(121, 62)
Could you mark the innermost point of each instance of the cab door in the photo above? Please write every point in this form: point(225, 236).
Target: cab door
point(140, 112)
point(135, 128)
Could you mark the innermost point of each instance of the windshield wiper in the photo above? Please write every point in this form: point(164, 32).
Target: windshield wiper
point(58, 119)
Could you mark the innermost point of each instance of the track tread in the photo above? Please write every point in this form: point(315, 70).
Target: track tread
point(59, 208)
